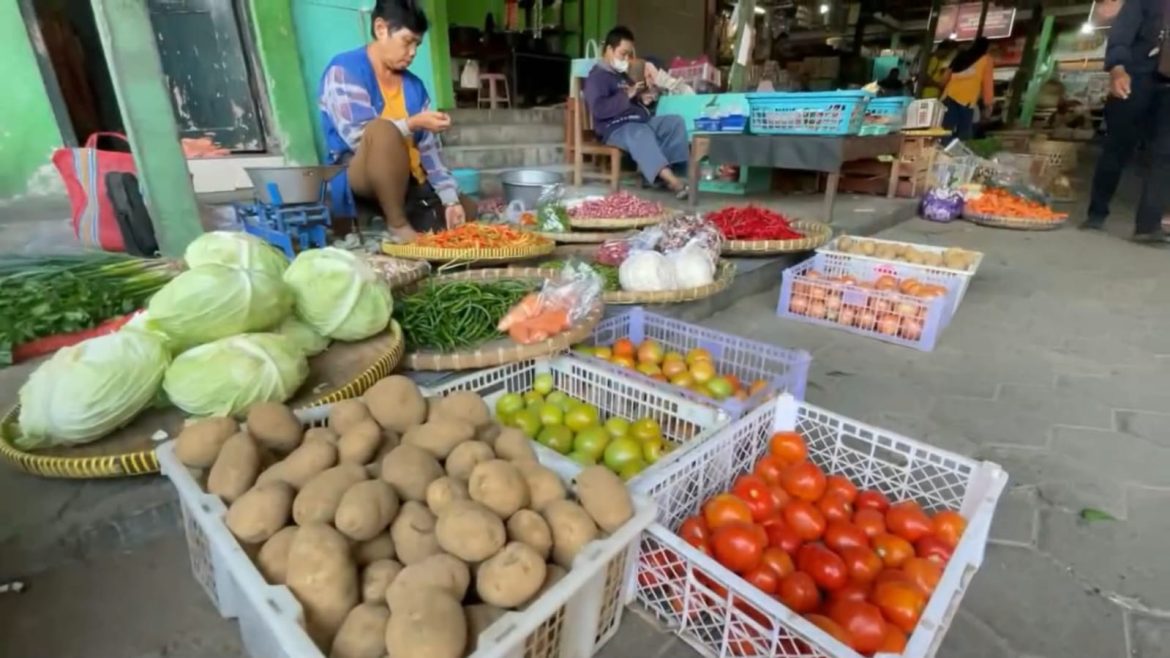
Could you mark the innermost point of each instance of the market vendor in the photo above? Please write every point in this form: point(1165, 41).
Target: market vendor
point(968, 83)
point(378, 123)
point(622, 118)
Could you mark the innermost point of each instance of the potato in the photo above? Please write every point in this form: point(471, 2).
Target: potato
point(273, 557)
point(323, 578)
point(260, 512)
point(390, 441)
point(605, 497)
point(512, 445)
point(235, 468)
point(466, 406)
point(396, 403)
point(413, 532)
point(430, 624)
point(409, 469)
point(530, 528)
point(346, 414)
point(510, 578)
point(198, 444)
point(479, 618)
point(321, 434)
point(302, 465)
point(465, 456)
point(571, 527)
point(378, 548)
point(440, 571)
point(363, 633)
point(499, 486)
point(376, 577)
point(359, 443)
point(365, 510)
point(488, 433)
point(274, 426)
point(443, 492)
point(544, 485)
point(866, 247)
point(845, 243)
point(317, 501)
point(439, 436)
point(470, 531)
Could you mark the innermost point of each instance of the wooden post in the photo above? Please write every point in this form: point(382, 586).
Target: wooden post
point(924, 56)
point(982, 17)
point(1027, 65)
point(746, 18)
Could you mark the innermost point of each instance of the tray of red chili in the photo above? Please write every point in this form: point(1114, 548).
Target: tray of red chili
point(755, 231)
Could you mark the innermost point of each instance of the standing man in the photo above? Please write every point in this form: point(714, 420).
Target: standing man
point(1138, 60)
point(622, 118)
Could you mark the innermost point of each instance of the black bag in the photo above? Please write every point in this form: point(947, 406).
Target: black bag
point(424, 209)
point(130, 211)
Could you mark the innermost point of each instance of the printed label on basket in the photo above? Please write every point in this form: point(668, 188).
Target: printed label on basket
point(887, 269)
point(854, 297)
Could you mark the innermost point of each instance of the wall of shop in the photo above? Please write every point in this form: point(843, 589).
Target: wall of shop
point(665, 28)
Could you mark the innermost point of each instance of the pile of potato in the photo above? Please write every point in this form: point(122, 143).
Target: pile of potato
point(406, 526)
point(951, 258)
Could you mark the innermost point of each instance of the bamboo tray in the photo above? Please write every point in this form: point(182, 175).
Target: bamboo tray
point(1014, 223)
point(816, 234)
point(489, 255)
point(617, 223)
point(724, 275)
point(502, 350)
point(584, 237)
point(418, 270)
point(345, 370)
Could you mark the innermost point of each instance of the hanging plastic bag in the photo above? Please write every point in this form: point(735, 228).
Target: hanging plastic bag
point(551, 215)
point(469, 78)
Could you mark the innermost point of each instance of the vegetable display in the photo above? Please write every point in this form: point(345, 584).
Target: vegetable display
point(305, 338)
point(225, 377)
point(235, 249)
point(753, 223)
point(608, 273)
point(216, 301)
point(696, 370)
point(1000, 203)
point(419, 543)
point(338, 294)
point(854, 563)
point(480, 236)
point(886, 305)
point(951, 257)
point(618, 205)
point(453, 315)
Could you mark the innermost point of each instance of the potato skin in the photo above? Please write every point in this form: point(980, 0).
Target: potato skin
point(378, 548)
point(260, 512)
point(323, 578)
point(428, 623)
point(571, 527)
point(470, 531)
point(530, 528)
point(365, 510)
point(274, 426)
point(544, 485)
point(439, 436)
point(499, 486)
point(273, 557)
point(317, 501)
point(396, 403)
point(363, 633)
point(467, 406)
point(376, 578)
point(303, 464)
point(321, 434)
point(413, 531)
point(443, 492)
point(360, 443)
point(440, 570)
point(605, 497)
point(465, 457)
point(235, 469)
point(198, 444)
point(409, 469)
point(510, 578)
point(513, 446)
point(345, 414)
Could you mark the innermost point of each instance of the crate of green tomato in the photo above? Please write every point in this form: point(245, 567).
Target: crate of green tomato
point(584, 414)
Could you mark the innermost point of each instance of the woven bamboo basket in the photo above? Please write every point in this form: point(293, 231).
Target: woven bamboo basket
point(1014, 223)
point(618, 223)
point(345, 370)
point(815, 233)
point(724, 275)
point(584, 237)
point(489, 255)
point(501, 350)
point(1061, 156)
point(416, 270)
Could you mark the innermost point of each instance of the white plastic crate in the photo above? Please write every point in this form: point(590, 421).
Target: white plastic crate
point(720, 614)
point(685, 424)
point(924, 113)
point(962, 277)
point(574, 618)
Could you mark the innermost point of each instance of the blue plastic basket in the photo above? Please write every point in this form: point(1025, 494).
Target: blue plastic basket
point(808, 113)
point(706, 124)
point(783, 370)
point(735, 123)
point(826, 297)
point(888, 112)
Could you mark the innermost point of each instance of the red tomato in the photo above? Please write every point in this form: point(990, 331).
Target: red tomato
point(892, 549)
point(871, 500)
point(724, 509)
point(894, 641)
point(778, 560)
point(694, 531)
point(799, 592)
point(826, 567)
point(783, 537)
point(805, 520)
point(764, 579)
point(752, 490)
point(901, 603)
point(804, 481)
point(850, 592)
point(839, 484)
point(738, 546)
point(907, 520)
point(948, 526)
point(831, 627)
point(840, 535)
point(862, 564)
point(788, 447)
point(835, 507)
point(770, 467)
point(862, 621)
point(923, 572)
point(871, 522)
point(933, 548)
point(780, 496)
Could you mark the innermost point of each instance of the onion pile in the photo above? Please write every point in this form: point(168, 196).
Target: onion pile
point(619, 205)
point(887, 305)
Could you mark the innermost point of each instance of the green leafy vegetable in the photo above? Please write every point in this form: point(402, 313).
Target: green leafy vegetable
point(1090, 514)
point(215, 301)
point(225, 377)
point(338, 294)
point(235, 249)
point(450, 316)
point(302, 335)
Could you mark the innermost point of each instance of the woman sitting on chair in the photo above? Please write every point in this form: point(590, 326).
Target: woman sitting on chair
point(377, 122)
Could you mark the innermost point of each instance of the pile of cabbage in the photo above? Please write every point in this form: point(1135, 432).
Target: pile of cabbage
point(236, 328)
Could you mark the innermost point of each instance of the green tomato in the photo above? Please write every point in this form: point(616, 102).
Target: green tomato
point(652, 450)
point(558, 398)
point(508, 404)
point(631, 469)
point(582, 458)
point(621, 452)
point(591, 441)
point(543, 383)
point(551, 414)
point(532, 397)
point(617, 427)
point(527, 421)
point(582, 417)
point(720, 388)
point(557, 437)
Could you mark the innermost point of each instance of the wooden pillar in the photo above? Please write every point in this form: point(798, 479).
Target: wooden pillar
point(928, 46)
point(745, 18)
point(982, 17)
point(1027, 65)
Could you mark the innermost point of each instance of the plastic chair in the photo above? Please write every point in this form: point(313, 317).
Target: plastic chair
point(493, 96)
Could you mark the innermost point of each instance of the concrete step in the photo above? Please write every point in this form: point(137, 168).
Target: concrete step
point(475, 134)
point(469, 116)
point(494, 156)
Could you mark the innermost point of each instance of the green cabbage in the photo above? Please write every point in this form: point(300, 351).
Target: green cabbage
point(88, 390)
point(306, 339)
point(235, 249)
point(225, 377)
point(338, 294)
point(214, 301)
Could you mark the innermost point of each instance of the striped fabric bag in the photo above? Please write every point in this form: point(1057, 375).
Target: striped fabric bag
point(84, 170)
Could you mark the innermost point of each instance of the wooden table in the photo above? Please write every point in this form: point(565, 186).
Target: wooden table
point(825, 154)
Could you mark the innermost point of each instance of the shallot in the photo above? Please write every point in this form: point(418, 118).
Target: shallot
point(619, 205)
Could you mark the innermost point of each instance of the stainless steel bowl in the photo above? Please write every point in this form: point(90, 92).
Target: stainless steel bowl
point(527, 185)
point(295, 184)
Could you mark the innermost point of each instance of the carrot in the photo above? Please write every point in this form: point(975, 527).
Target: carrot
point(479, 236)
point(526, 308)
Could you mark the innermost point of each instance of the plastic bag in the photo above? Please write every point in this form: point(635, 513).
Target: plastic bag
point(693, 264)
point(646, 271)
point(682, 229)
point(615, 252)
point(561, 303)
point(551, 215)
point(942, 205)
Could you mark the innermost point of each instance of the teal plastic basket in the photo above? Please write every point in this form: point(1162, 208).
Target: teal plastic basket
point(808, 113)
point(887, 112)
point(467, 180)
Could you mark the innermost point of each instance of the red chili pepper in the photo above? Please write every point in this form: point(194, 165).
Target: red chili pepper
point(752, 223)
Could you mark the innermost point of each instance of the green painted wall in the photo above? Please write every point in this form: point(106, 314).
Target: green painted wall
point(275, 38)
point(437, 46)
point(29, 130)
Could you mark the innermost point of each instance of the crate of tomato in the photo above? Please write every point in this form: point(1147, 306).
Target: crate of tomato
point(800, 532)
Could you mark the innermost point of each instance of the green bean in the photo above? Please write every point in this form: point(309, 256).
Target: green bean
point(457, 314)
